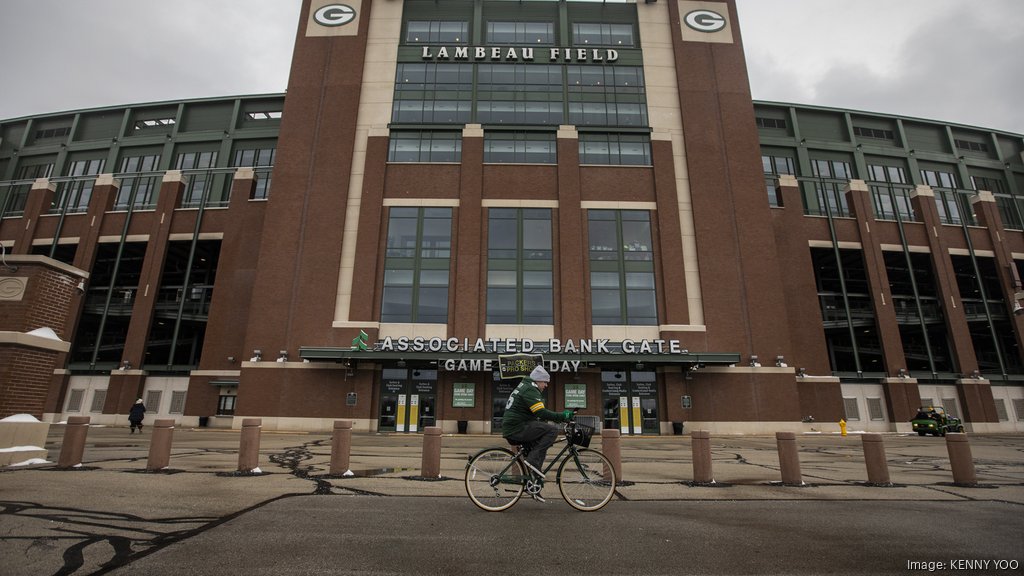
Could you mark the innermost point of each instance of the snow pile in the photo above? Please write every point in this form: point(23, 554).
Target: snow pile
point(20, 418)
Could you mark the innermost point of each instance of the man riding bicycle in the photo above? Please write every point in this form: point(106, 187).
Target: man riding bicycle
point(525, 413)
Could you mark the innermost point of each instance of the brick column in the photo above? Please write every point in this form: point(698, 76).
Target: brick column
point(572, 311)
point(985, 208)
point(466, 299)
point(40, 198)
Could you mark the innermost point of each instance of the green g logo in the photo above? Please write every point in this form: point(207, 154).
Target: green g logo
point(334, 15)
point(705, 21)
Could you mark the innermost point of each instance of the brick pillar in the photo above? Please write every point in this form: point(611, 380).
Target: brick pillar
point(572, 310)
point(467, 299)
point(40, 198)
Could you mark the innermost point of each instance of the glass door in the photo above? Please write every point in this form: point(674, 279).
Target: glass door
point(630, 401)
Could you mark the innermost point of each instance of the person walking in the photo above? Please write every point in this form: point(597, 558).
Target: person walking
point(135, 416)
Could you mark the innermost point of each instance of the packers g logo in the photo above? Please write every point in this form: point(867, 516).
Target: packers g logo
point(705, 21)
point(334, 15)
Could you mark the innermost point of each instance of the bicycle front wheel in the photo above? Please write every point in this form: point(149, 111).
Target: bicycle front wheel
point(586, 479)
point(495, 479)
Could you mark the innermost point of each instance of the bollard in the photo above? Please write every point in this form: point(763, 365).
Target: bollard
point(431, 462)
point(701, 446)
point(960, 459)
point(341, 448)
point(789, 459)
point(160, 445)
point(73, 447)
point(249, 445)
point(611, 447)
point(874, 459)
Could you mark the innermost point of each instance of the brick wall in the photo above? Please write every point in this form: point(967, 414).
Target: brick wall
point(25, 375)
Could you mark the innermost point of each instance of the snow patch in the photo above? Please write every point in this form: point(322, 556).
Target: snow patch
point(20, 418)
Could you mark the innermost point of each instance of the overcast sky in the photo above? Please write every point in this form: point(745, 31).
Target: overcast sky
point(948, 60)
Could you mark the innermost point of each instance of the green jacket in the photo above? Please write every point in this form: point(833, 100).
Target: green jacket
point(525, 404)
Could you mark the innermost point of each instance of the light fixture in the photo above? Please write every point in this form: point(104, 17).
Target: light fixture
point(639, 365)
point(257, 355)
point(801, 372)
point(282, 356)
point(976, 374)
point(902, 373)
point(231, 359)
point(780, 362)
point(753, 361)
point(125, 366)
point(401, 363)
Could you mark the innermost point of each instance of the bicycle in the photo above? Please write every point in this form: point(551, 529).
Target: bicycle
point(496, 478)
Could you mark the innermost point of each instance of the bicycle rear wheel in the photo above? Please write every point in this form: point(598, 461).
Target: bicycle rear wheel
point(494, 479)
point(586, 479)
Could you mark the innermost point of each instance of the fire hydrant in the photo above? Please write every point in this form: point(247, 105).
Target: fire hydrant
point(842, 427)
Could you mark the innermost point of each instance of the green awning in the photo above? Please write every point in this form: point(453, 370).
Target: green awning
point(223, 382)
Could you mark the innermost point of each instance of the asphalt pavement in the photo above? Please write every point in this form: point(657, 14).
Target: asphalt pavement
point(111, 515)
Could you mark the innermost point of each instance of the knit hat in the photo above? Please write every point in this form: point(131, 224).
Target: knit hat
point(139, 401)
point(539, 374)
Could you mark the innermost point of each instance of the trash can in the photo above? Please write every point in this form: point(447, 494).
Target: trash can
point(677, 428)
point(463, 426)
point(204, 421)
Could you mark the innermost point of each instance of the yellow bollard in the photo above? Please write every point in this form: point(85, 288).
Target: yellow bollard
point(842, 427)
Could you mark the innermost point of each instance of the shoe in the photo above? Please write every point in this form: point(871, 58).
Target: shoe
point(538, 498)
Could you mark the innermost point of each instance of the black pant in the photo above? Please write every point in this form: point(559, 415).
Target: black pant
point(540, 436)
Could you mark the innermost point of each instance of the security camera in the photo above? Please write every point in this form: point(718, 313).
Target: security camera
point(80, 287)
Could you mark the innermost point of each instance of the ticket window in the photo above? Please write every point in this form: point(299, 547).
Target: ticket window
point(630, 401)
point(408, 400)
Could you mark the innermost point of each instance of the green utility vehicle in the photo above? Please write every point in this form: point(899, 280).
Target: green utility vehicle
point(934, 420)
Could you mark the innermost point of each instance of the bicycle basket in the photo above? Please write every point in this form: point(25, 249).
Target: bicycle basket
point(580, 435)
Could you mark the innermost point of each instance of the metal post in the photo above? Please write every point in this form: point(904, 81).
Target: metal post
point(341, 448)
point(160, 445)
point(73, 447)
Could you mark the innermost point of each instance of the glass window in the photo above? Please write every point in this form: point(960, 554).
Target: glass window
point(424, 146)
point(622, 285)
point(436, 93)
point(825, 195)
point(436, 32)
point(604, 34)
point(262, 159)
point(519, 266)
point(520, 147)
point(521, 33)
point(606, 95)
point(615, 149)
point(890, 192)
point(138, 190)
point(416, 265)
point(774, 166)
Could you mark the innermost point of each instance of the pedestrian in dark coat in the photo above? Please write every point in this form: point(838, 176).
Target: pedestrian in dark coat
point(135, 416)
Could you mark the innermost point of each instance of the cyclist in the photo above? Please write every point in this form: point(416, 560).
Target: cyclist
point(523, 422)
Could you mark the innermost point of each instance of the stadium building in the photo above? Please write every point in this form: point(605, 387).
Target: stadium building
point(447, 182)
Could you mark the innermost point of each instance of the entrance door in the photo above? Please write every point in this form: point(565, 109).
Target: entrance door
point(630, 401)
point(408, 400)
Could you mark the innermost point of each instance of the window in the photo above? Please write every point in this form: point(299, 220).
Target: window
point(99, 398)
point(153, 401)
point(201, 179)
point(257, 158)
point(226, 405)
point(264, 115)
point(1018, 408)
point(521, 33)
point(519, 266)
point(155, 123)
point(921, 320)
point(519, 94)
point(416, 265)
point(954, 206)
point(847, 312)
point(424, 146)
point(875, 133)
point(851, 409)
point(520, 147)
point(875, 409)
point(1011, 209)
point(603, 34)
point(606, 95)
point(75, 400)
point(433, 93)
point(949, 404)
point(890, 193)
point(137, 190)
point(774, 166)
point(1001, 412)
point(826, 198)
point(971, 146)
point(615, 149)
point(988, 321)
point(177, 402)
point(777, 123)
point(622, 268)
point(17, 196)
point(51, 133)
point(436, 32)
point(74, 195)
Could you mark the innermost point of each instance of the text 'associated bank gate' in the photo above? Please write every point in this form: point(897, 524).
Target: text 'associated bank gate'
point(408, 400)
point(630, 400)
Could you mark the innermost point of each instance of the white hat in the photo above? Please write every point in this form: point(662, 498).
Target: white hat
point(539, 374)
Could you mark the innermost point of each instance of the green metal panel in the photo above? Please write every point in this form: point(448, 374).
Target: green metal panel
point(103, 125)
point(926, 137)
point(207, 116)
point(820, 125)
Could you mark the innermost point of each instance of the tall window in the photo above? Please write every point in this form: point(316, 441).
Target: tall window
point(520, 147)
point(851, 334)
point(615, 149)
point(519, 94)
point(954, 206)
point(519, 266)
point(890, 192)
point(825, 196)
point(200, 180)
point(416, 265)
point(1011, 209)
point(622, 285)
point(922, 325)
point(74, 195)
point(988, 321)
point(137, 189)
point(262, 159)
point(773, 167)
point(17, 196)
point(521, 33)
